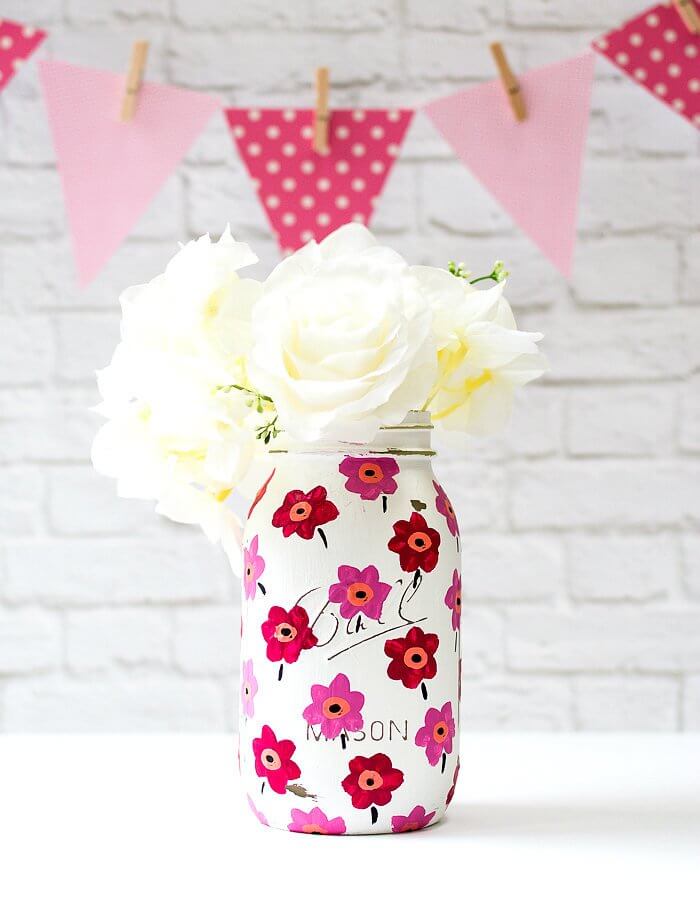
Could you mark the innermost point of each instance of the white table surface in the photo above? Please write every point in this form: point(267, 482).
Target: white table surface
point(540, 823)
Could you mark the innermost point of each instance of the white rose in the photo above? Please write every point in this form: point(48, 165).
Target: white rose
point(342, 339)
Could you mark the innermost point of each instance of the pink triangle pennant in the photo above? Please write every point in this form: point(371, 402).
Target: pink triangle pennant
point(532, 167)
point(112, 170)
point(305, 194)
point(17, 43)
point(658, 51)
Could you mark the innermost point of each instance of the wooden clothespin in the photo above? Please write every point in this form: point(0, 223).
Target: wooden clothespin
point(134, 78)
point(321, 116)
point(689, 14)
point(510, 83)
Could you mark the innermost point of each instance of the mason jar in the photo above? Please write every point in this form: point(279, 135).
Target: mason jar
point(350, 649)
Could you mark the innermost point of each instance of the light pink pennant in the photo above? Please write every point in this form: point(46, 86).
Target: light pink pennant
point(17, 43)
point(532, 167)
point(305, 194)
point(112, 170)
point(660, 53)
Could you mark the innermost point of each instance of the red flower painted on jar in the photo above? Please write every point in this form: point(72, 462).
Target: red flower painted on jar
point(416, 544)
point(453, 788)
point(437, 733)
point(359, 591)
point(413, 657)
point(416, 819)
point(316, 823)
point(453, 599)
point(370, 477)
point(273, 760)
point(444, 506)
point(335, 707)
point(287, 633)
point(372, 780)
point(302, 512)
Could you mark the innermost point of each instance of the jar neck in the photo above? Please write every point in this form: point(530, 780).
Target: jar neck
point(409, 437)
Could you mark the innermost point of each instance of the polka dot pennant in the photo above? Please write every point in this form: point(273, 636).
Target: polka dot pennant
point(17, 43)
point(307, 195)
point(657, 50)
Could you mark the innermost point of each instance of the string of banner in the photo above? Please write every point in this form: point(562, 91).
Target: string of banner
point(316, 168)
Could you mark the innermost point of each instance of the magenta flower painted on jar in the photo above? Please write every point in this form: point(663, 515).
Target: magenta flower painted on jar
point(336, 708)
point(453, 599)
point(444, 506)
point(359, 591)
point(437, 733)
point(416, 819)
point(315, 822)
point(253, 567)
point(249, 688)
point(370, 477)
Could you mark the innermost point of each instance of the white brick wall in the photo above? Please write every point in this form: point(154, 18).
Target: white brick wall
point(581, 525)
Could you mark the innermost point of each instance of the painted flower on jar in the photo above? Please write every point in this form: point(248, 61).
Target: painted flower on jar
point(316, 823)
point(302, 512)
point(453, 787)
point(372, 780)
point(359, 591)
point(260, 816)
point(273, 760)
point(444, 506)
point(370, 477)
point(437, 733)
point(416, 819)
point(335, 707)
point(287, 633)
point(253, 567)
point(453, 599)
point(249, 689)
point(413, 657)
point(417, 544)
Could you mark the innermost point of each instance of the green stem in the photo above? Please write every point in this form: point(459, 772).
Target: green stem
point(239, 387)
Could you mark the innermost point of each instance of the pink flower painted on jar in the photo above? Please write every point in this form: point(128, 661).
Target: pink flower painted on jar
point(315, 822)
point(437, 733)
point(335, 707)
point(444, 506)
point(359, 591)
point(253, 567)
point(453, 599)
point(416, 819)
point(249, 688)
point(370, 477)
point(260, 816)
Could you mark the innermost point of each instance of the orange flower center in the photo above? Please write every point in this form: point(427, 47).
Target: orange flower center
point(335, 707)
point(370, 473)
point(458, 602)
point(271, 760)
point(370, 780)
point(359, 594)
point(415, 658)
point(420, 542)
point(300, 511)
point(285, 633)
point(440, 732)
point(314, 830)
point(448, 508)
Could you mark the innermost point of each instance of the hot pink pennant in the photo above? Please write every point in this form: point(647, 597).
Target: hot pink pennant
point(307, 195)
point(660, 53)
point(532, 167)
point(111, 170)
point(17, 43)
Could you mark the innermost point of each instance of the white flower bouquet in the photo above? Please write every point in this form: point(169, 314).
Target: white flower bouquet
point(341, 338)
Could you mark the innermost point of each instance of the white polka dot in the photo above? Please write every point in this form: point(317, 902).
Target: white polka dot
point(358, 217)
point(6, 42)
point(678, 104)
point(392, 149)
point(307, 201)
point(358, 115)
point(256, 183)
point(239, 131)
point(656, 54)
point(288, 114)
point(374, 201)
point(28, 31)
point(254, 149)
point(696, 119)
point(307, 132)
point(254, 114)
point(342, 202)
point(377, 132)
point(636, 39)
point(342, 132)
point(289, 184)
point(622, 58)
point(306, 235)
point(323, 184)
point(272, 166)
point(323, 219)
point(690, 50)
point(660, 89)
point(674, 70)
point(358, 149)
point(670, 35)
point(393, 115)
point(358, 184)
point(287, 251)
point(602, 44)
point(17, 63)
point(694, 85)
point(272, 201)
point(288, 219)
point(307, 166)
point(377, 167)
point(640, 73)
point(288, 149)
point(273, 131)
point(652, 20)
point(342, 167)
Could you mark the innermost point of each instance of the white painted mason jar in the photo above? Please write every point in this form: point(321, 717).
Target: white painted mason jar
point(350, 650)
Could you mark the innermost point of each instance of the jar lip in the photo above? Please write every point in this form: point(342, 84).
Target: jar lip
point(409, 437)
point(414, 419)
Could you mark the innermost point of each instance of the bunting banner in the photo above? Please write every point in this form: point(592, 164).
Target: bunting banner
point(17, 43)
point(111, 170)
point(658, 51)
point(531, 167)
point(306, 194)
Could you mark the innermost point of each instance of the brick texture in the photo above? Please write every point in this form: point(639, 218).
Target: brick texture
point(581, 524)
